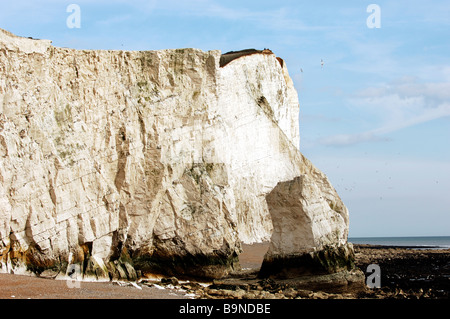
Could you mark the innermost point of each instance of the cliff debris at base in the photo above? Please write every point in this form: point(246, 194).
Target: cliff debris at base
point(126, 163)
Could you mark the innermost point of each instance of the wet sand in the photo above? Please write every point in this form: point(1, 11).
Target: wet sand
point(26, 287)
point(252, 255)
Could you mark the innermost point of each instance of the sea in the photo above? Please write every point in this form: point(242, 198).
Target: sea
point(423, 242)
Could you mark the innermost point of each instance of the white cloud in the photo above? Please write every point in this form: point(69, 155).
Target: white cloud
point(401, 104)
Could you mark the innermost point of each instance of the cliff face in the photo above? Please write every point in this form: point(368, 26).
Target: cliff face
point(157, 161)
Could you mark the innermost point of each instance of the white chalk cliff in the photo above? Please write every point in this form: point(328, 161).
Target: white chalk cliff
point(155, 161)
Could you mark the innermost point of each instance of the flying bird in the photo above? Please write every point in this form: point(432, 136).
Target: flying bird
point(322, 63)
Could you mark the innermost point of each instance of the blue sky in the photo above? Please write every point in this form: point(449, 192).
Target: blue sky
point(375, 119)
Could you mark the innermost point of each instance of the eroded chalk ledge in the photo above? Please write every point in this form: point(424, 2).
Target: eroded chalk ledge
point(191, 267)
point(329, 269)
point(324, 261)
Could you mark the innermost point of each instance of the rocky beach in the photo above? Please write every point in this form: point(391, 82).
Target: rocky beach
point(415, 274)
point(407, 273)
